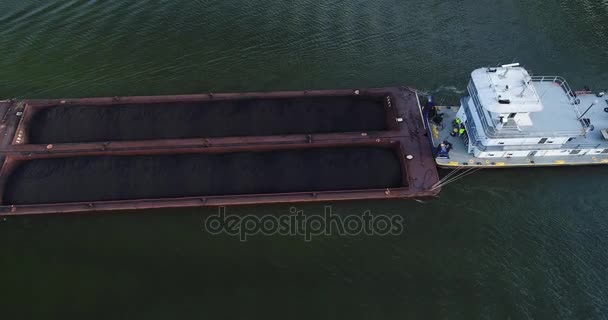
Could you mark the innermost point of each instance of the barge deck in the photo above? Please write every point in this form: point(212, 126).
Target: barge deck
point(121, 153)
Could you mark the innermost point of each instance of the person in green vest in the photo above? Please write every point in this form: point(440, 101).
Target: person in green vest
point(456, 124)
point(461, 131)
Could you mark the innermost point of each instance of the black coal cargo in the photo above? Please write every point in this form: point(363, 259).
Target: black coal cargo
point(208, 119)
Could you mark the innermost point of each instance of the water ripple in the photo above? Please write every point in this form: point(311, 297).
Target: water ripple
point(523, 244)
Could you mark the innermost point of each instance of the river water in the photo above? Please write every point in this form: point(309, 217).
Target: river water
point(504, 244)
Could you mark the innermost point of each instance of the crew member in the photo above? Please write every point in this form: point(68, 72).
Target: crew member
point(443, 151)
point(448, 146)
point(454, 132)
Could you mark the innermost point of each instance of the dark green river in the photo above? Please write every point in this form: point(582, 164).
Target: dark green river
point(504, 244)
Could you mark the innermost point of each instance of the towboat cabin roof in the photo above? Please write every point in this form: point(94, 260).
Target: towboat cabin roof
point(506, 90)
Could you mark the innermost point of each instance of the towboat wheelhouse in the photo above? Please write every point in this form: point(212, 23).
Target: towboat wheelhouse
point(510, 118)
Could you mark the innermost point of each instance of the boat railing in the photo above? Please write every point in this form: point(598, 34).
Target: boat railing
point(471, 127)
point(531, 147)
point(561, 82)
point(493, 132)
point(489, 129)
point(584, 146)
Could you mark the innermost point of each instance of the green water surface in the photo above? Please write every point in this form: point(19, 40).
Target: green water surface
point(508, 244)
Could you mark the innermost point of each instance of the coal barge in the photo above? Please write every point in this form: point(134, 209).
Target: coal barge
point(123, 153)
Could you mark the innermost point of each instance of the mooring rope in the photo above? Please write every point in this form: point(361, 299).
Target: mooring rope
point(455, 175)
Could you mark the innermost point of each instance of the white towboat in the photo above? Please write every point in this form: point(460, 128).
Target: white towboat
point(510, 119)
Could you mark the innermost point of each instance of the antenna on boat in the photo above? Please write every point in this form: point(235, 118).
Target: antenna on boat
point(507, 67)
point(523, 90)
point(592, 104)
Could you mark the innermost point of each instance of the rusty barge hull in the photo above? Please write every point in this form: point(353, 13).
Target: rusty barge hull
point(123, 153)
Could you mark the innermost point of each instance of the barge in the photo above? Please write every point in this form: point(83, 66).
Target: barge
point(510, 118)
point(122, 153)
